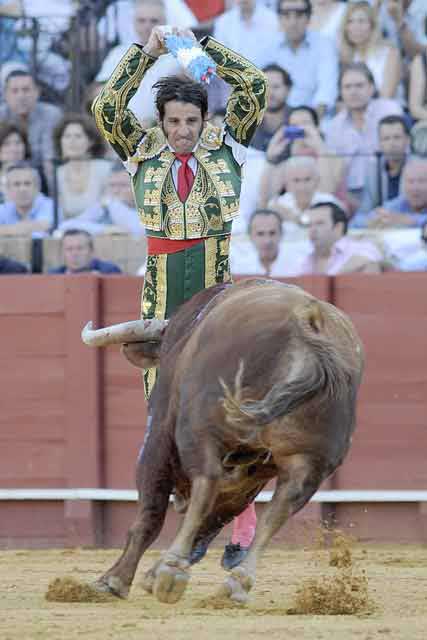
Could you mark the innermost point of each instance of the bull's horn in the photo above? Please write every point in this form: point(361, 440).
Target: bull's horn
point(133, 331)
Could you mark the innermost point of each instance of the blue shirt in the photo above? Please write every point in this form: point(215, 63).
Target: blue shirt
point(42, 209)
point(396, 205)
point(313, 67)
point(94, 265)
point(415, 262)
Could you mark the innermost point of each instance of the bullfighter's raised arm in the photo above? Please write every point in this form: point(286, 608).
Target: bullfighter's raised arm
point(118, 124)
point(246, 104)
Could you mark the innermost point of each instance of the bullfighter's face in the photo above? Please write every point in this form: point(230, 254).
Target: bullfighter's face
point(182, 125)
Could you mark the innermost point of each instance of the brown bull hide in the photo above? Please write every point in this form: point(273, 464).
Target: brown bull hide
point(257, 380)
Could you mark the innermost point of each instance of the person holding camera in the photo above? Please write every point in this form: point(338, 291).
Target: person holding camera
point(301, 137)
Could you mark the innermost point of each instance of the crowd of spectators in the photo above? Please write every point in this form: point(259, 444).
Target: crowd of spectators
point(336, 175)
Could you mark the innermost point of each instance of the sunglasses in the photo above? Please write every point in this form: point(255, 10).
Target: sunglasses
point(298, 13)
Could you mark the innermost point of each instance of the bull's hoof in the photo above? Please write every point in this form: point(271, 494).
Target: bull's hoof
point(148, 581)
point(171, 581)
point(112, 585)
point(237, 586)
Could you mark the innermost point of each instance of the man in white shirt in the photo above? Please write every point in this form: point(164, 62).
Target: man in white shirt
point(147, 14)
point(301, 178)
point(248, 28)
point(264, 255)
point(177, 13)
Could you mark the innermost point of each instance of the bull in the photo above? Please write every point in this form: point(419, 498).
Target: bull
point(257, 380)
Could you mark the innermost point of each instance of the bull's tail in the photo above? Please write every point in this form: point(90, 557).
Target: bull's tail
point(317, 369)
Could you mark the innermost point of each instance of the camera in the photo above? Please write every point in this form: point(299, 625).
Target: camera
point(292, 133)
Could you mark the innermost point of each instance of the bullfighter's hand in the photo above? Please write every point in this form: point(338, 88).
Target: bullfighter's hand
point(156, 46)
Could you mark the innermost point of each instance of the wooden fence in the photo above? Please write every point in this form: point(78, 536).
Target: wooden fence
point(73, 417)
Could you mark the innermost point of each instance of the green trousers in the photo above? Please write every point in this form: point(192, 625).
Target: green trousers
point(172, 279)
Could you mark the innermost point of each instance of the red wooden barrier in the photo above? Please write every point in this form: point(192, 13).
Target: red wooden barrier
point(390, 443)
point(72, 416)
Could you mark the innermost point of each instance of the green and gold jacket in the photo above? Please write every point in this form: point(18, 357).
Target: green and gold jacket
point(214, 198)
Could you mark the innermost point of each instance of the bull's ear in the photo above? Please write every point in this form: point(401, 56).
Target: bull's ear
point(312, 314)
point(142, 355)
point(315, 319)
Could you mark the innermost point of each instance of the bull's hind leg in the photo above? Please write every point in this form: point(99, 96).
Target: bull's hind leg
point(172, 575)
point(297, 480)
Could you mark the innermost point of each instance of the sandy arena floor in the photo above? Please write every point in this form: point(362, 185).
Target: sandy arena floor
point(396, 577)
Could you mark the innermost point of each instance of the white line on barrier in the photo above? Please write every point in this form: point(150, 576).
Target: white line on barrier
point(126, 495)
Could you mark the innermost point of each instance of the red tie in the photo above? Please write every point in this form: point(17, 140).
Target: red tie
point(185, 176)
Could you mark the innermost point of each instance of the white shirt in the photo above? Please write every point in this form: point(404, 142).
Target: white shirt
point(291, 230)
point(251, 39)
point(245, 261)
point(177, 13)
point(49, 8)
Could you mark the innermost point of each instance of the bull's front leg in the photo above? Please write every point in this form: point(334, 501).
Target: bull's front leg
point(172, 574)
point(296, 483)
point(154, 486)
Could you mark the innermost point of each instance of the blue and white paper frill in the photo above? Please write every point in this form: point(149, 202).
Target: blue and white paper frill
point(191, 57)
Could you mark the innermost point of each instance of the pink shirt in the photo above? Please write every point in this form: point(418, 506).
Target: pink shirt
point(342, 251)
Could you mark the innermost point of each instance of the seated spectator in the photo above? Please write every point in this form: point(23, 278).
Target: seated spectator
point(408, 209)
point(177, 14)
point(418, 86)
point(248, 28)
point(403, 23)
point(327, 17)
point(333, 252)
point(8, 266)
point(301, 179)
point(299, 50)
point(361, 41)
point(115, 213)
point(12, 54)
point(393, 134)
point(265, 255)
point(417, 260)
point(83, 177)
point(14, 148)
point(78, 255)
point(331, 167)
point(26, 211)
point(418, 136)
point(276, 114)
point(53, 22)
point(11, 8)
point(353, 132)
point(38, 119)
point(147, 14)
